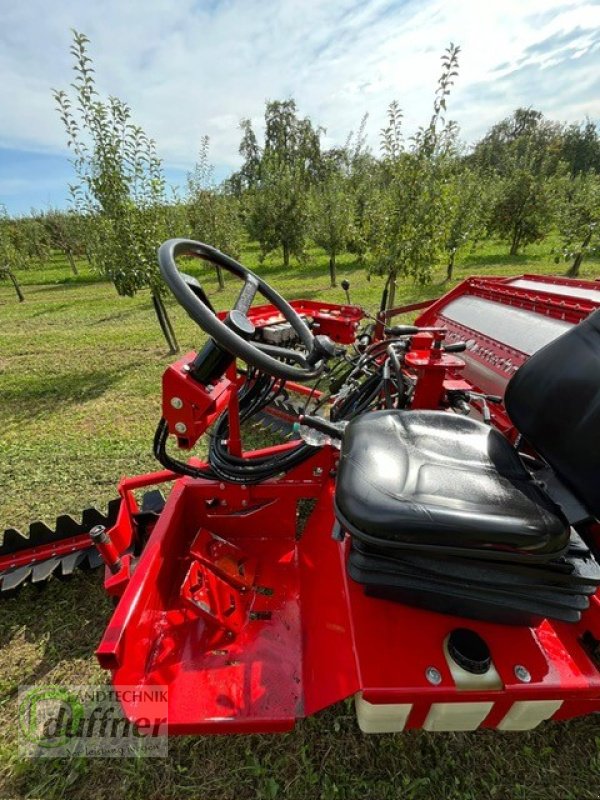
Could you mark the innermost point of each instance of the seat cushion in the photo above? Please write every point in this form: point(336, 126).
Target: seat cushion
point(432, 478)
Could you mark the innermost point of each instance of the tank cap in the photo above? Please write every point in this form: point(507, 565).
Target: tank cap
point(469, 651)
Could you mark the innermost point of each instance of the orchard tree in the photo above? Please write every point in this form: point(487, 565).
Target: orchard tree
point(213, 214)
point(120, 184)
point(580, 147)
point(523, 210)
point(465, 211)
point(525, 137)
point(30, 237)
point(332, 216)
point(276, 211)
point(65, 229)
point(278, 177)
point(410, 225)
point(524, 151)
point(578, 218)
point(11, 258)
point(363, 177)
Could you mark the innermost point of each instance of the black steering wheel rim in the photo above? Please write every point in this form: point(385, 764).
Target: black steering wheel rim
point(255, 354)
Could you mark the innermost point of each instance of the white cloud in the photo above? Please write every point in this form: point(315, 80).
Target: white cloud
point(193, 68)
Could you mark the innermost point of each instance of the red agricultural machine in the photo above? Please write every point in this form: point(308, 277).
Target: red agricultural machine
point(424, 537)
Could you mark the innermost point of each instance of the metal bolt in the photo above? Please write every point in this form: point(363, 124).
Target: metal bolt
point(244, 503)
point(177, 402)
point(186, 368)
point(181, 427)
point(433, 675)
point(522, 673)
point(98, 534)
point(317, 472)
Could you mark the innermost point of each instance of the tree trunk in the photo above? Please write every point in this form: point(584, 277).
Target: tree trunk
point(15, 283)
point(69, 253)
point(516, 241)
point(573, 271)
point(220, 277)
point(332, 270)
point(450, 267)
point(165, 323)
point(286, 255)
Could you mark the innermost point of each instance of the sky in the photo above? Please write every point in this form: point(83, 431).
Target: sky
point(190, 68)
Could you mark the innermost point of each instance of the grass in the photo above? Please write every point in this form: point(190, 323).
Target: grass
point(80, 376)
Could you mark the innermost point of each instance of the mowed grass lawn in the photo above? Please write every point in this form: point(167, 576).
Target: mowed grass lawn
point(80, 373)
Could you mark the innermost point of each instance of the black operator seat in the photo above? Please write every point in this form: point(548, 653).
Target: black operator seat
point(433, 478)
point(442, 513)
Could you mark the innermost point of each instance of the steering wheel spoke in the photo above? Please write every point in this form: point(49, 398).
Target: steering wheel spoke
point(247, 295)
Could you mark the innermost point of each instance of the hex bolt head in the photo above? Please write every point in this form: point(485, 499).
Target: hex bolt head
point(181, 427)
point(522, 673)
point(177, 402)
point(433, 675)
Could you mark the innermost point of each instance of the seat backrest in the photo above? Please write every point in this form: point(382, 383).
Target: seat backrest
point(554, 401)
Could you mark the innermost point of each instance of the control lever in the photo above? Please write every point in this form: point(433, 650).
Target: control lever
point(484, 399)
point(461, 401)
point(318, 432)
point(402, 330)
point(346, 288)
point(333, 429)
point(410, 330)
point(455, 347)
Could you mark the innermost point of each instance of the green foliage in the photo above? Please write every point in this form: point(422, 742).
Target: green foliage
point(363, 178)
point(578, 218)
point(423, 200)
point(213, 214)
point(67, 231)
point(522, 213)
point(332, 211)
point(120, 180)
point(467, 196)
point(410, 223)
point(524, 138)
point(523, 151)
point(580, 148)
point(13, 253)
point(278, 178)
point(11, 257)
point(31, 238)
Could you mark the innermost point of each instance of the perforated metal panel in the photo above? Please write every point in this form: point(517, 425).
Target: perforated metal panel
point(558, 288)
point(516, 327)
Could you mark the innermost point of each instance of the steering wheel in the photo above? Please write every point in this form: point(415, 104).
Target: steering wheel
point(264, 357)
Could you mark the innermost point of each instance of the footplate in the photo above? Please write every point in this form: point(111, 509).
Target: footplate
point(219, 584)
